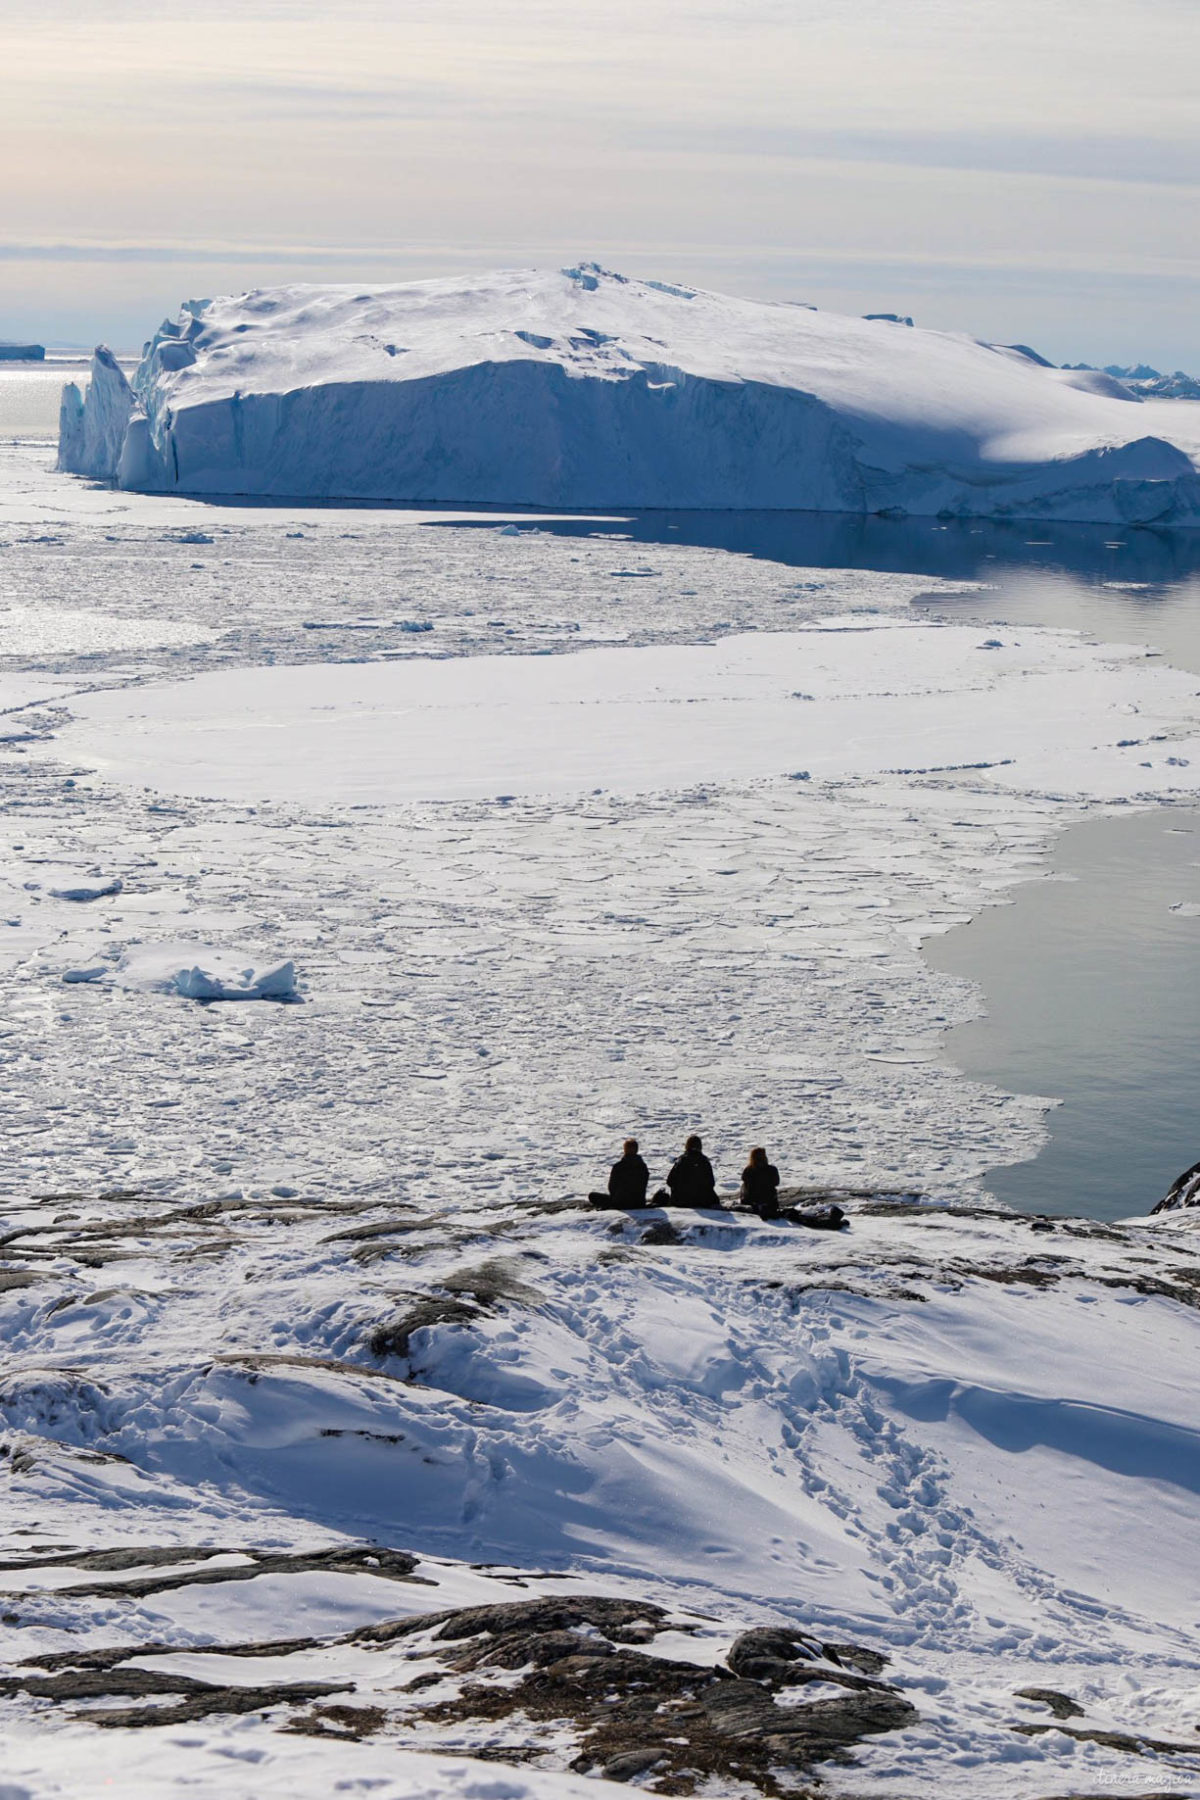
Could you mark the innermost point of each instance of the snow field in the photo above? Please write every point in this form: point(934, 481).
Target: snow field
point(738, 1423)
point(233, 1764)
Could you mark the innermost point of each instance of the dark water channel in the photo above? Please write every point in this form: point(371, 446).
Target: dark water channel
point(1091, 984)
point(1091, 980)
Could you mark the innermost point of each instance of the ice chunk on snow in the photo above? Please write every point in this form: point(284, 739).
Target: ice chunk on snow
point(581, 388)
point(198, 972)
point(276, 983)
point(89, 890)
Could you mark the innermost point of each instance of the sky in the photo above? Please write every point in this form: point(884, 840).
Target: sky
point(1026, 170)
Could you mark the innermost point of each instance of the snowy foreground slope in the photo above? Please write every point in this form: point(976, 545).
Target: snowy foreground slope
point(582, 388)
point(342, 1450)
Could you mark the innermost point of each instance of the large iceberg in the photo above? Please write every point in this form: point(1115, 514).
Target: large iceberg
point(581, 388)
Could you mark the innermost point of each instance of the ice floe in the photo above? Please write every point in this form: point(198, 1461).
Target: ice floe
point(850, 697)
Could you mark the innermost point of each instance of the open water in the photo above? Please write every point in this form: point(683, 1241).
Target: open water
point(30, 393)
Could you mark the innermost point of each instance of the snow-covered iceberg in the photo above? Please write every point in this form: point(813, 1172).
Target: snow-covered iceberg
point(92, 424)
point(581, 388)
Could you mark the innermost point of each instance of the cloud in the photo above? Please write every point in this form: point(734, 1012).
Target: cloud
point(1084, 157)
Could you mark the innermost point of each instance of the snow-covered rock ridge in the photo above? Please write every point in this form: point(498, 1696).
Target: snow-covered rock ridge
point(582, 388)
point(395, 1477)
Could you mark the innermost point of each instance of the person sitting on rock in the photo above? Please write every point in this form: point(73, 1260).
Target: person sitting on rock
point(691, 1181)
point(760, 1185)
point(628, 1180)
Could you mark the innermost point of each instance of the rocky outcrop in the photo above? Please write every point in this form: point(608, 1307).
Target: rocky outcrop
point(1183, 1192)
point(588, 1662)
point(577, 1674)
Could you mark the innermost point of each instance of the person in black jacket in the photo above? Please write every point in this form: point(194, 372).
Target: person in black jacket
point(628, 1180)
point(760, 1185)
point(691, 1180)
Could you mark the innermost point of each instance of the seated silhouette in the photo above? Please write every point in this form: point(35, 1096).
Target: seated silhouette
point(760, 1185)
point(628, 1180)
point(691, 1181)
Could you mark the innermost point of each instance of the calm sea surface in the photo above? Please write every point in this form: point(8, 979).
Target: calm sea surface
point(30, 392)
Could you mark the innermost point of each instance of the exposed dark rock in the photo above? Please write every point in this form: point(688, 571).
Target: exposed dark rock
point(110, 1657)
point(1183, 1288)
point(17, 1278)
point(854, 1656)
point(214, 1700)
point(802, 1734)
point(660, 1232)
point(394, 1565)
point(766, 1653)
point(381, 1228)
point(257, 1361)
point(146, 1557)
point(632, 1763)
point(100, 1684)
point(566, 1662)
point(349, 1723)
point(1113, 1740)
point(491, 1284)
point(394, 1337)
point(200, 1698)
point(557, 1613)
point(1033, 1273)
point(691, 1723)
point(1061, 1705)
point(1142, 1794)
point(430, 1678)
point(783, 1658)
point(517, 1650)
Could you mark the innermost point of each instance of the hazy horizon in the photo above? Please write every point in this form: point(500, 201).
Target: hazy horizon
point(1020, 173)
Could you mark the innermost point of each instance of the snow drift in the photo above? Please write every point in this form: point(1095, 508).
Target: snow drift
point(582, 388)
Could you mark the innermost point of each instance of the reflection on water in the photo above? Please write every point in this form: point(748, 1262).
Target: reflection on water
point(1118, 584)
point(960, 549)
point(30, 393)
point(1092, 986)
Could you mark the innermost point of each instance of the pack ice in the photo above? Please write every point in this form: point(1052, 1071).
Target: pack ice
point(583, 388)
